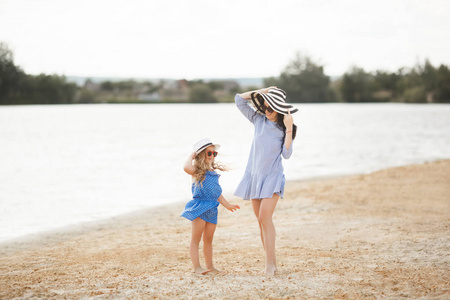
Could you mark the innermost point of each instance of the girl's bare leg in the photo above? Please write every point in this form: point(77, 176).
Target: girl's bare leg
point(198, 226)
point(256, 203)
point(266, 210)
point(208, 236)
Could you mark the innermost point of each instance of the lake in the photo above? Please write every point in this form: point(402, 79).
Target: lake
point(66, 164)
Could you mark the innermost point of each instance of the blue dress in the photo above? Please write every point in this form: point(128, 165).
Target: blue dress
point(204, 204)
point(264, 175)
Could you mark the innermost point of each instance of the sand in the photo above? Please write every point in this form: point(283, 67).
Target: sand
point(381, 235)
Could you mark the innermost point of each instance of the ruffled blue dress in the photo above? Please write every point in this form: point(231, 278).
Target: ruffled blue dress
point(264, 175)
point(205, 199)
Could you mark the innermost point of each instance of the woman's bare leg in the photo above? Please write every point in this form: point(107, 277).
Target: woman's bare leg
point(256, 203)
point(266, 210)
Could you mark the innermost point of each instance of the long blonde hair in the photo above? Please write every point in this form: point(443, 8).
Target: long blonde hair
point(201, 167)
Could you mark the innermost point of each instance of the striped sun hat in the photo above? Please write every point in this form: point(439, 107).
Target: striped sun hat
point(276, 98)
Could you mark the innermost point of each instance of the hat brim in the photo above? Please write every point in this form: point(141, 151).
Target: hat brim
point(216, 146)
point(257, 102)
point(277, 104)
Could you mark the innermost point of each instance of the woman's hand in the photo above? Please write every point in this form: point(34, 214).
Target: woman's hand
point(288, 121)
point(266, 90)
point(248, 95)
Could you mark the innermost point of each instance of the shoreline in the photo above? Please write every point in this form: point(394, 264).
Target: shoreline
point(33, 239)
point(380, 235)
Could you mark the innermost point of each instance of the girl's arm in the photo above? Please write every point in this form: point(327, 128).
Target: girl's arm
point(188, 167)
point(224, 202)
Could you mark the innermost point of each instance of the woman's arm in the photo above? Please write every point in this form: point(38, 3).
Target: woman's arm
point(242, 104)
point(248, 95)
point(289, 123)
point(224, 202)
point(188, 167)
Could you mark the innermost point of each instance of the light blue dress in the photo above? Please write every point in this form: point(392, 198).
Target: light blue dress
point(205, 202)
point(264, 175)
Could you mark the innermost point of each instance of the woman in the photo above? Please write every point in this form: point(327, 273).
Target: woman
point(263, 181)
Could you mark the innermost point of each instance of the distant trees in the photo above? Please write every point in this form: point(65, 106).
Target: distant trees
point(420, 84)
point(357, 86)
point(166, 91)
point(10, 76)
point(304, 81)
point(201, 93)
point(16, 87)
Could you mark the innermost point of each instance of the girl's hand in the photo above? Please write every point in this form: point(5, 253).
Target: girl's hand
point(233, 207)
point(288, 121)
point(188, 167)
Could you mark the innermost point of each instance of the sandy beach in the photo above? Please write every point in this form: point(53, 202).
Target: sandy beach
point(381, 235)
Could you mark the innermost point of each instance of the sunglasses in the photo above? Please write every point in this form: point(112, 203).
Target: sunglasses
point(268, 108)
point(209, 153)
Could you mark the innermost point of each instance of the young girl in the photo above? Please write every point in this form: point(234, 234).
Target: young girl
point(207, 194)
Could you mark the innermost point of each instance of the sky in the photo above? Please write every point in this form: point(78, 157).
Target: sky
point(221, 39)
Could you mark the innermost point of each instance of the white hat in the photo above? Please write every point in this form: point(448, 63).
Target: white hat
point(203, 144)
point(276, 98)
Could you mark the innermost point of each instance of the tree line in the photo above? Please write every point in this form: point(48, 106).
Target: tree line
point(17, 87)
point(303, 79)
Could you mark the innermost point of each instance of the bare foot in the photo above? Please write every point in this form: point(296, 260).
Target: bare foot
point(201, 271)
point(270, 271)
point(214, 270)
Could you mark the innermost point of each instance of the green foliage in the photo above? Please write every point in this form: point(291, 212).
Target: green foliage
point(216, 85)
point(415, 94)
point(10, 76)
point(357, 86)
point(304, 81)
point(16, 87)
point(385, 81)
point(107, 86)
point(201, 93)
point(420, 84)
point(442, 91)
point(86, 96)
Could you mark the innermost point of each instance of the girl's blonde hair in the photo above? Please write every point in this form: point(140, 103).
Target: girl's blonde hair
point(201, 167)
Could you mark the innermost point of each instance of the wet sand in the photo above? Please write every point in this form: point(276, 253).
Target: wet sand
point(380, 235)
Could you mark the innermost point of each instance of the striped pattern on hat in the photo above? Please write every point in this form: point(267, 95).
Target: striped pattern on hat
point(276, 98)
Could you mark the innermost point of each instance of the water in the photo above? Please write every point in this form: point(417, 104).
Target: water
point(66, 164)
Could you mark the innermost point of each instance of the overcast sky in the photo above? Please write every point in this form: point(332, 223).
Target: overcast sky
point(233, 38)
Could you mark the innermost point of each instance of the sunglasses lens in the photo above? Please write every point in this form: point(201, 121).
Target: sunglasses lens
point(268, 108)
point(212, 153)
